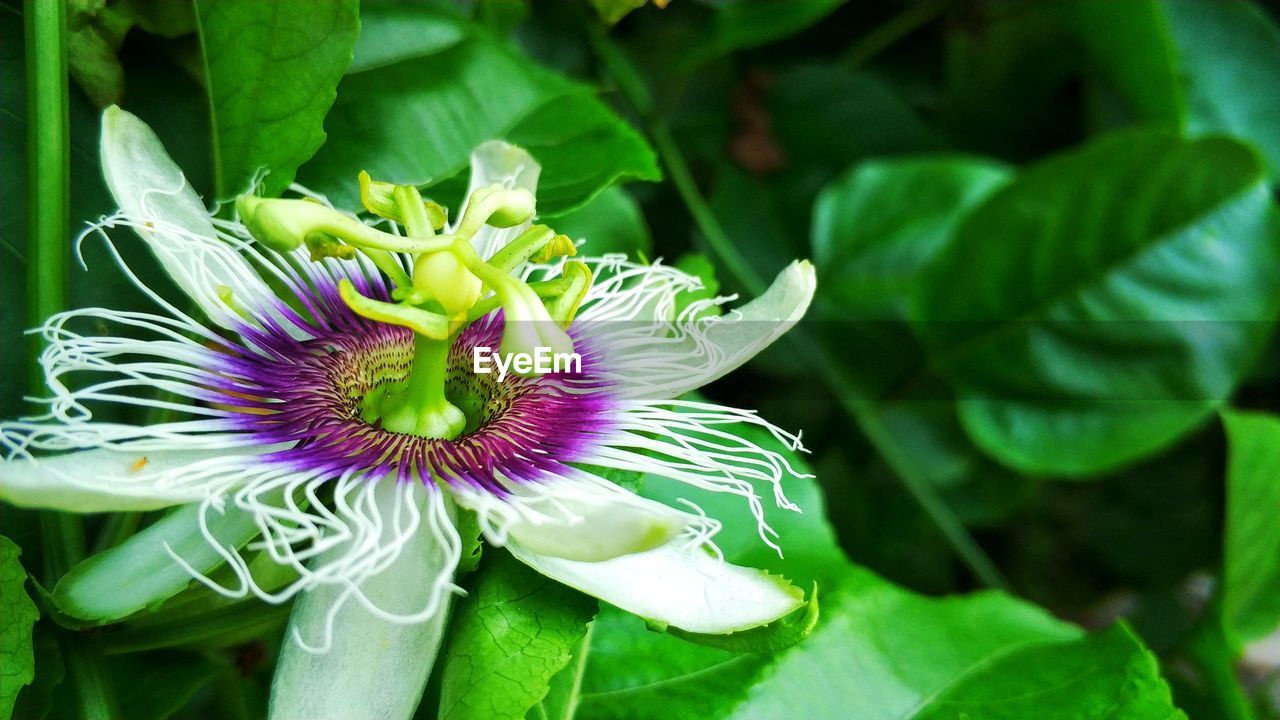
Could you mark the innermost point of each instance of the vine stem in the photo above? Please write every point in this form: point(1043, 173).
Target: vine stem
point(48, 217)
point(862, 409)
point(48, 178)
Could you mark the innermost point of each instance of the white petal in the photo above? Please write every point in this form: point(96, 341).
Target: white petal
point(581, 518)
point(504, 164)
point(665, 359)
point(161, 206)
point(374, 666)
point(677, 584)
point(754, 326)
point(108, 480)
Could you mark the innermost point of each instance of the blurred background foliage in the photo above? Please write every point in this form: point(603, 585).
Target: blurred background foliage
point(1042, 358)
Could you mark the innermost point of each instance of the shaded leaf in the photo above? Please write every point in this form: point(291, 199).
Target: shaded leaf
point(610, 222)
point(1105, 675)
point(417, 116)
point(1225, 50)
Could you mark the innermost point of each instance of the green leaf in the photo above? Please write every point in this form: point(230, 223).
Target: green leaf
point(1102, 305)
point(1106, 675)
point(415, 121)
point(18, 614)
point(140, 573)
point(610, 222)
point(1225, 50)
point(272, 71)
point(390, 33)
point(583, 148)
point(878, 650)
point(1251, 546)
point(879, 225)
point(516, 630)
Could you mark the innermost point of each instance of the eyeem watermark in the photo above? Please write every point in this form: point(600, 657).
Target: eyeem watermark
point(484, 361)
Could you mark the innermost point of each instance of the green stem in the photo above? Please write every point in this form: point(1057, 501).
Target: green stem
point(416, 221)
point(863, 410)
point(426, 378)
point(888, 33)
point(387, 263)
point(703, 216)
point(92, 682)
point(48, 180)
point(48, 213)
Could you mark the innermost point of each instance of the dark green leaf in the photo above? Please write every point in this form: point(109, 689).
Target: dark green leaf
point(743, 23)
point(417, 120)
point(1015, 78)
point(37, 700)
point(583, 148)
point(140, 573)
point(1105, 303)
point(514, 632)
point(1251, 546)
point(611, 11)
point(1225, 52)
point(272, 70)
point(156, 686)
point(17, 615)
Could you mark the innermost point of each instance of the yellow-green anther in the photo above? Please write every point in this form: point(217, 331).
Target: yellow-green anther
point(438, 214)
point(283, 225)
point(578, 282)
point(442, 277)
point(323, 246)
point(423, 322)
point(377, 197)
point(497, 206)
point(560, 246)
point(526, 244)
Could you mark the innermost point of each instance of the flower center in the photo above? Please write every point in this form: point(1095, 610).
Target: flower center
point(450, 287)
point(311, 397)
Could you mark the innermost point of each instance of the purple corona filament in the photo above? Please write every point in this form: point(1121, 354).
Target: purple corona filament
point(307, 394)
